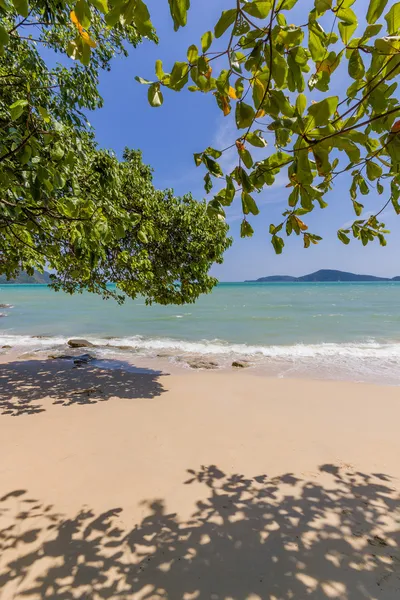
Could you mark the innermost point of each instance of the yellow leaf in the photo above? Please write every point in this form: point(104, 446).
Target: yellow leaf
point(395, 127)
point(87, 39)
point(327, 65)
point(260, 113)
point(84, 35)
point(301, 224)
point(232, 93)
point(74, 18)
point(258, 84)
point(239, 145)
point(226, 107)
point(208, 74)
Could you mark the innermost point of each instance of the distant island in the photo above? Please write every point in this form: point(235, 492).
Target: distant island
point(322, 275)
point(38, 278)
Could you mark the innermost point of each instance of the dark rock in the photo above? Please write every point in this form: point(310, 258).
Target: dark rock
point(83, 359)
point(202, 364)
point(6, 346)
point(78, 343)
point(3, 315)
point(240, 364)
point(78, 359)
point(6, 306)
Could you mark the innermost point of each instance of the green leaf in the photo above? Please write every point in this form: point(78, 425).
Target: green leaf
point(57, 152)
point(246, 157)
point(347, 15)
point(357, 207)
point(154, 95)
point(322, 6)
point(256, 140)
point(22, 7)
point(375, 9)
point(4, 38)
point(315, 44)
point(301, 103)
point(244, 115)
point(25, 154)
point(142, 236)
point(258, 8)
point(392, 19)
point(159, 71)
point(113, 16)
point(346, 31)
point(212, 166)
point(370, 31)
point(143, 81)
point(226, 19)
point(83, 13)
point(279, 69)
point(207, 183)
point(17, 108)
point(287, 4)
point(249, 205)
point(213, 152)
point(179, 76)
point(101, 5)
point(343, 237)
point(381, 239)
point(230, 190)
point(246, 229)
point(192, 53)
point(356, 65)
point(44, 114)
point(374, 171)
point(323, 110)
point(198, 158)
point(206, 40)
point(277, 243)
point(85, 55)
point(222, 82)
point(142, 18)
point(178, 9)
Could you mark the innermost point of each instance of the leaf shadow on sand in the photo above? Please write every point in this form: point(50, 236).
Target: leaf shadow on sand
point(24, 385)
point(333, 535)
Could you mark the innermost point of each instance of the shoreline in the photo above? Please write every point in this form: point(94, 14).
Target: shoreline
point(157, 485)
point(110, 356)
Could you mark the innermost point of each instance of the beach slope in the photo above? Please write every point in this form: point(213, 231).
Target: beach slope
point(208, 485)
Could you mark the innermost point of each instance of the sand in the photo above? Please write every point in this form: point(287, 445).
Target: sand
point(195, 485)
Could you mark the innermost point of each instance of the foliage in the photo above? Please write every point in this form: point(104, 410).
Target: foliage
point(64, 203)
point(261, 74)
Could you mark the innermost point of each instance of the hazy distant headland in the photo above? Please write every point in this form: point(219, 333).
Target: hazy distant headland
point(38, 278)
point(323, 275)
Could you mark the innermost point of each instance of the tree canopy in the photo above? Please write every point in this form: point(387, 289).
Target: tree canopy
point(65, 203)
point(270, 64)
point(275, 75)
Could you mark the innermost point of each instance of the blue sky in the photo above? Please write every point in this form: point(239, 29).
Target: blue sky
point(188, 123)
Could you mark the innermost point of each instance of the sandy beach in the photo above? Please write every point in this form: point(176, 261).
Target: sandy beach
point(195, 485)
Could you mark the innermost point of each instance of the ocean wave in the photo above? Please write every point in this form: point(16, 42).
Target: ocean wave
point(151, 346)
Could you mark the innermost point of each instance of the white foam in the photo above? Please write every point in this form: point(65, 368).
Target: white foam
point(367, 349)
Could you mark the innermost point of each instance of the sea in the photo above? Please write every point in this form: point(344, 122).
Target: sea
point(344, 331)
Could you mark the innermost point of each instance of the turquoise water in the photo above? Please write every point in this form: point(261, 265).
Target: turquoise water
point(341, 330)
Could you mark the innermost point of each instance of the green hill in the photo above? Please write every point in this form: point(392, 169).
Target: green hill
point(324, 275)
point(41, 278)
